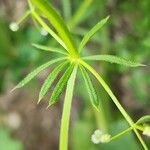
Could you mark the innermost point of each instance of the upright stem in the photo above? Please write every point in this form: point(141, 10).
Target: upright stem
point(63, 145)
point(115, 100)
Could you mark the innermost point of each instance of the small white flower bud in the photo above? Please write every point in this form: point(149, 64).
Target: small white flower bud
point(146, 131)
point(44, 32)
point(100, 137)
point(13, 26)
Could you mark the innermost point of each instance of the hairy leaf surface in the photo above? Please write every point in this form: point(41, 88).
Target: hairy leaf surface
point(90, 88)
point(31, 75)
point(57, 22)
point(89, 35)
point(60, 85)
point(113, 59)
point(48, 82)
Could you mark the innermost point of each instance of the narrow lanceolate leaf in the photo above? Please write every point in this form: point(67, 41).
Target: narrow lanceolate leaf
point(51, 49)
point(57, 22)
point(48, 29)
point(78, 16)
point(66, 110)
point(143, 119)
point(36, 71)
point(48, 82)
point(113, 59)
point(91, 90)
point(60, 85)
point(89, 35)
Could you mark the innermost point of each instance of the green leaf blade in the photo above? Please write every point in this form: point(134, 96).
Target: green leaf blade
point(31, 75)
point(50, 79)
point(89, 35)
point(66, 110)
point(60, 85)
point(113, 59)
point(78, 16)
point(90, 88)
point(51, 49)
point(48, 29)
point(58, 23)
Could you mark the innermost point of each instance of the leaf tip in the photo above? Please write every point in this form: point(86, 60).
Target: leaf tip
point(96, 108)
point(39, 100)
point(33, 44)
point(107, 17)
point(12, 90)
point(49, 105)
point(142, 65)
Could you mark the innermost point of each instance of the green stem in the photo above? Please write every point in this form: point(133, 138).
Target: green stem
point(100, 119)
point(126, 131)
point(26, 14)
point(121, 133)
point(63, 145)
point(115, 100)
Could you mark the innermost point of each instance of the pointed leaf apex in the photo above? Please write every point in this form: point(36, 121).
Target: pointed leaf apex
point(39, 100)
point(142, 65)
point(12, 90)
point(97, 108)
point(107, 17)
point(50, 104)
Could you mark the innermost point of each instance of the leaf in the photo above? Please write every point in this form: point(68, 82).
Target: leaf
point(143, 119)
point(48, 82)
point(48, 29)
point(113, 59)
point(89, 35)
point(66, 110)
point(115, 100)
point(60, 85)
point(91, 90)
point(66, 9)
point(57, 22)
point(52, 49)
point(36, 71)
point(78, 16)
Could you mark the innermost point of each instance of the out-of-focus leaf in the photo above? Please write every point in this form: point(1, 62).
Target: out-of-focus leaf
point(143, 119)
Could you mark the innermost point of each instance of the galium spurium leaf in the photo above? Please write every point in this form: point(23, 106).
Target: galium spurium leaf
point(51, 49)
point(143, 119)
point(48, 29)
point(57, 22)
point(89, 35)
point(67, 109)
point(31, 75)
point(113, 59)
point(60, 85)
point(50, 79)
point(90, 88)
point(78, 16)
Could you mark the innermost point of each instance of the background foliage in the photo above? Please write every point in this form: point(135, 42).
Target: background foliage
point(127, 35)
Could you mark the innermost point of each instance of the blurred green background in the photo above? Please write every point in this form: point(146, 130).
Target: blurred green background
point(24, 125)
